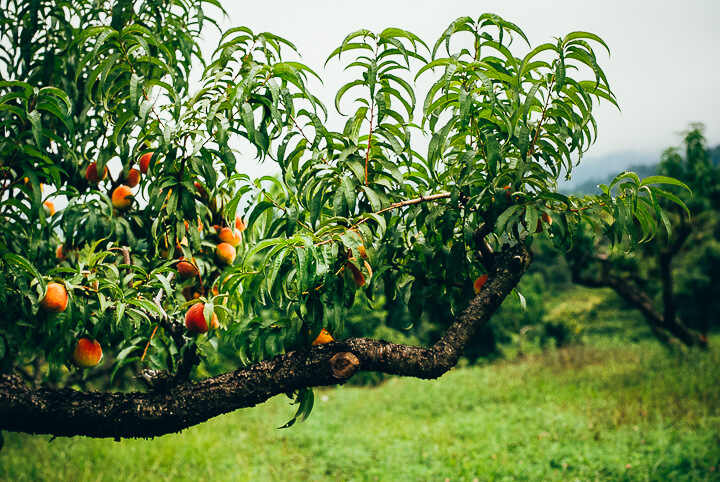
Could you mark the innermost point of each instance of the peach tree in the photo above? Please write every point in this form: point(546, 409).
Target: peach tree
point(418, 194)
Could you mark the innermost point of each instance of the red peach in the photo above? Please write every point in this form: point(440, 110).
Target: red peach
point(133, 178)
point(56, 298)
point(195, 321)
point(92, 175)
point(145, 162)
point(87, 353)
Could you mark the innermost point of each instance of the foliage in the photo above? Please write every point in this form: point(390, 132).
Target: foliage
point(355, 209)
point(678, 272)
point(581, 412)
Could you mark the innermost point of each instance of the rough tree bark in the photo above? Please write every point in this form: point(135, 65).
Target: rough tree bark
point(176, 406)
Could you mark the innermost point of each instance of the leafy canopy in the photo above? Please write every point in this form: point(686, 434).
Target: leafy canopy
point(357, 211)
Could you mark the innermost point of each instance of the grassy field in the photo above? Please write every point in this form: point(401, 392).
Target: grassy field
point(600, 412)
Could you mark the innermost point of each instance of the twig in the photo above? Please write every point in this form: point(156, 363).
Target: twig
point(542, 117)
point(409, 202)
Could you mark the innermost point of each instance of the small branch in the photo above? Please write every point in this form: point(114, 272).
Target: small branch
point(409, 202)
point(284, 210)
point(127, 261)
point(542, 118)
point(367, 153)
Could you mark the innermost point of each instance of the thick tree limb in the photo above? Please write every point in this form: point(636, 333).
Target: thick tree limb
point(67, 412)
point(665, 259)
point(660, 325)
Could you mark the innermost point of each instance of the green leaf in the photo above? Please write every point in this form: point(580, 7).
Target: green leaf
point(277, 258)
point(302, 260)
point(348, 189)
point(664, 180)
point(585, 35)
point(343, 90)
point(305, 399)
point(34, 117)
point(26, 265)
point(373, 198)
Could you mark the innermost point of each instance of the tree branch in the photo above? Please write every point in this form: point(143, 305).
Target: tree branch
point(639, 299)
point(67, 412)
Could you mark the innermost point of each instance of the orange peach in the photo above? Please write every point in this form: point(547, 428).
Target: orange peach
point(548, 220)
point(187, 270)
point(230, 236)
point(56, 298)
point(133, 178)
point(201, 191)
point(87, 353)
point(49, 208)
point(323, 337)
point(199, 226)
point(122, 198)
point(240, 223)
point(225, 253)
point(356, 274)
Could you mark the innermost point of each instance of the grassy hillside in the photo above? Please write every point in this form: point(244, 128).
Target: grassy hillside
point(610, 411)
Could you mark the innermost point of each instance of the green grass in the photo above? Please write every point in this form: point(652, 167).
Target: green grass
point(600, 412)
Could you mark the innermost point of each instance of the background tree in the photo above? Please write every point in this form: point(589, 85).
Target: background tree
point(356, 213)
point(652, 275)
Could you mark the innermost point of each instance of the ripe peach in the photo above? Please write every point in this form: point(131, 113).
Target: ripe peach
point(133, 178)
point(49, 208)
point(479, 283)
point(56, 298)
point(230, 236)
point(187, 270)
point(87, 353)
point(195, 321)
point(59, 254)
point(323, 337)
point(240, 223)
point(202, 191)
point(225, 253)
point(145, 162)
point(122, 198)
point(92, 175)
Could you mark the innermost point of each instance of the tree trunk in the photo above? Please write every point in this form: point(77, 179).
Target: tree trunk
point(665, 325)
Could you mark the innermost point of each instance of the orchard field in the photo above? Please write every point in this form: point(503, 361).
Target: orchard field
point(603, 409)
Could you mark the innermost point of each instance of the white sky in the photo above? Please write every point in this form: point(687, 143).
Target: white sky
point(664, 65)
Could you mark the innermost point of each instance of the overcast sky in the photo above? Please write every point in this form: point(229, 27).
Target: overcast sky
point(664, 64)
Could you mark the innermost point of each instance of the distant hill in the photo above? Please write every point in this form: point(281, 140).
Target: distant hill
point(591, 186)
point(602, 170)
